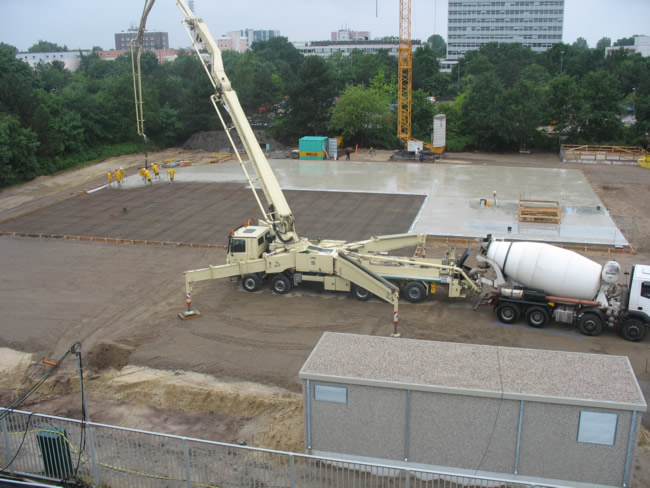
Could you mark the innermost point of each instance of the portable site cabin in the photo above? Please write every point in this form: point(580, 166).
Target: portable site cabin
point(519, 414)
point(313, 147)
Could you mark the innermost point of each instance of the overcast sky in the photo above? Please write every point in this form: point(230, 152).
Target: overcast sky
point(88, 23)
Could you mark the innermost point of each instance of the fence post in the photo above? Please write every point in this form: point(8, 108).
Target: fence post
point(408, 479)
point(186, 453)
point(5, 434)
point(93, 457)
point(292, 472)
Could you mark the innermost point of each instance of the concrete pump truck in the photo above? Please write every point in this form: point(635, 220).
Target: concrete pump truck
point(272, 250)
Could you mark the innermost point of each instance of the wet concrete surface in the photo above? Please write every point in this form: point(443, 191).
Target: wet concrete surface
point(453, 195)
point(337, 200)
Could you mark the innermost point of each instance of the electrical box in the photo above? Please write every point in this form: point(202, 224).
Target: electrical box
point(53, 443)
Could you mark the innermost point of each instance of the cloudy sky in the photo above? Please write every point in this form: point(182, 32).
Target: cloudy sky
point(87, 23)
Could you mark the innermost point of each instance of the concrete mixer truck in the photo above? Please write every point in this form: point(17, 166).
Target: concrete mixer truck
point(541, 282)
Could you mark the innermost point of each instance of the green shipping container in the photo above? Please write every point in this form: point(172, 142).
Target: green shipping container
point(313, 147)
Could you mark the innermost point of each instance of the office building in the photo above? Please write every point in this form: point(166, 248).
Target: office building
point(472, 24)
point(151, 40)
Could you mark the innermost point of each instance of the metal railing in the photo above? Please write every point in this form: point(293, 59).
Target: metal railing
point(54, 448)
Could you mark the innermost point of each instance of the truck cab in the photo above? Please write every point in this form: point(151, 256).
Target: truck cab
point(247, 243)
point(639, 301)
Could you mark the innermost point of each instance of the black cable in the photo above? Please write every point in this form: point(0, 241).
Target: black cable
point(29, 419)
point(496, 418)
point(21, 399)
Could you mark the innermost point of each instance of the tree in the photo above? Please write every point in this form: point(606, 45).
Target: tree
point(53, 76)
point(47, 47)
point(425, 69)
point(481, 111)
point(580, 43)
point(17, 151)
point(524, 111)
point(625, 41)
point(599, 120)
point(603, 43)
point(283, 55)
point(310, 99)
point(438, 44)
point(362, 115)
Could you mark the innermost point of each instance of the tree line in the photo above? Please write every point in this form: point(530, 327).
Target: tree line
point(496, 98)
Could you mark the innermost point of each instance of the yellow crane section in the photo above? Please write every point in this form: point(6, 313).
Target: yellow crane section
point(405, 73)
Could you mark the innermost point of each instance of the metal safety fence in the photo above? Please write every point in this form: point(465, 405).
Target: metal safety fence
point(54, 448)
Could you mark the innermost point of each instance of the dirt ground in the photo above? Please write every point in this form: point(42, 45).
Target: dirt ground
point(232, 375)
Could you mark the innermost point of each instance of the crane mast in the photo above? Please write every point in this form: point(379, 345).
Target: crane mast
point(405, 64)
point(278, 215)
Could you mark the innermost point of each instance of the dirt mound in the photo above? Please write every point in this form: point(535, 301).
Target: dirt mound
point(107, 355)
point(217, 141)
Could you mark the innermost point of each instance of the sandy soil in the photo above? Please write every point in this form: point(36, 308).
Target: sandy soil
point(231, 375)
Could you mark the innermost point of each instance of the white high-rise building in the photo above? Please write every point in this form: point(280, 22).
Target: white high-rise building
point(472, 24)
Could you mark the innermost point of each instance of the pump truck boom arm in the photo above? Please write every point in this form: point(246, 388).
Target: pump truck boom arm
point(278, 214)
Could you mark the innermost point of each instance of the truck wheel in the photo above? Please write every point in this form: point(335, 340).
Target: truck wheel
point(537, 317)
point(360, 293)
point(590, 324)
point(281, 284)
point(508, 313)
point(633, 330)
point(414, 291)
point(251, 282)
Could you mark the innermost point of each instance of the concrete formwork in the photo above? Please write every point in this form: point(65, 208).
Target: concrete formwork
point(205, 213)
point(370, 199)
point(453, 195)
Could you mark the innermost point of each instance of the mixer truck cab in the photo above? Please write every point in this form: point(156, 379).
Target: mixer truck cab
point(541, 282)
point(639, 301)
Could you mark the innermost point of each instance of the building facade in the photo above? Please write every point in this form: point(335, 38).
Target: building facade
point(472, 24)
point(327, 48)
point(70, 59)
point(152, 40)
point(641, 46)
point(522, 415)
point(350, 35)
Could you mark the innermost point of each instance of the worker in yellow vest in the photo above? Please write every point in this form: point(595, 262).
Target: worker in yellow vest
point(171, 172)
point(156, 171)
point(110, 178)
point(142, 170)
point(147, 176)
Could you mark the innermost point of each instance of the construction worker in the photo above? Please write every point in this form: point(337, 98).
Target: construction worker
point(122, 173)
point(142, 170)
point(110, 178)
point(156, 171)
point(171, 172)
point(147, 176)
point(118, 177)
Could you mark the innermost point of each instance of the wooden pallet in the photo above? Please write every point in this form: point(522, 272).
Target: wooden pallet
point(540, 211)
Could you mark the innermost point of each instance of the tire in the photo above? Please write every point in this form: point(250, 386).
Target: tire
point(590, 324)
point(360, 293)
point(508, 313)
point(414, 291)
point(281, 284)
point(251, 282)
point(633, 330)
point(537, 317)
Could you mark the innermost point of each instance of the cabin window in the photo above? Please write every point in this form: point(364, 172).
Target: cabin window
point(332, 394)
point(238, 245)
point(597, 428)
point(645, 289)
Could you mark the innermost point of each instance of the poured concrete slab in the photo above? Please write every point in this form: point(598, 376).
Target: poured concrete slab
point(452, 207)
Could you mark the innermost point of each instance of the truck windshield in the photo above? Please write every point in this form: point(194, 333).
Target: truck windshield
point(238, 245)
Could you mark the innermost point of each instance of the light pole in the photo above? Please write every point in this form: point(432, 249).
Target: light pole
point(634, 101)
point(561, 61)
